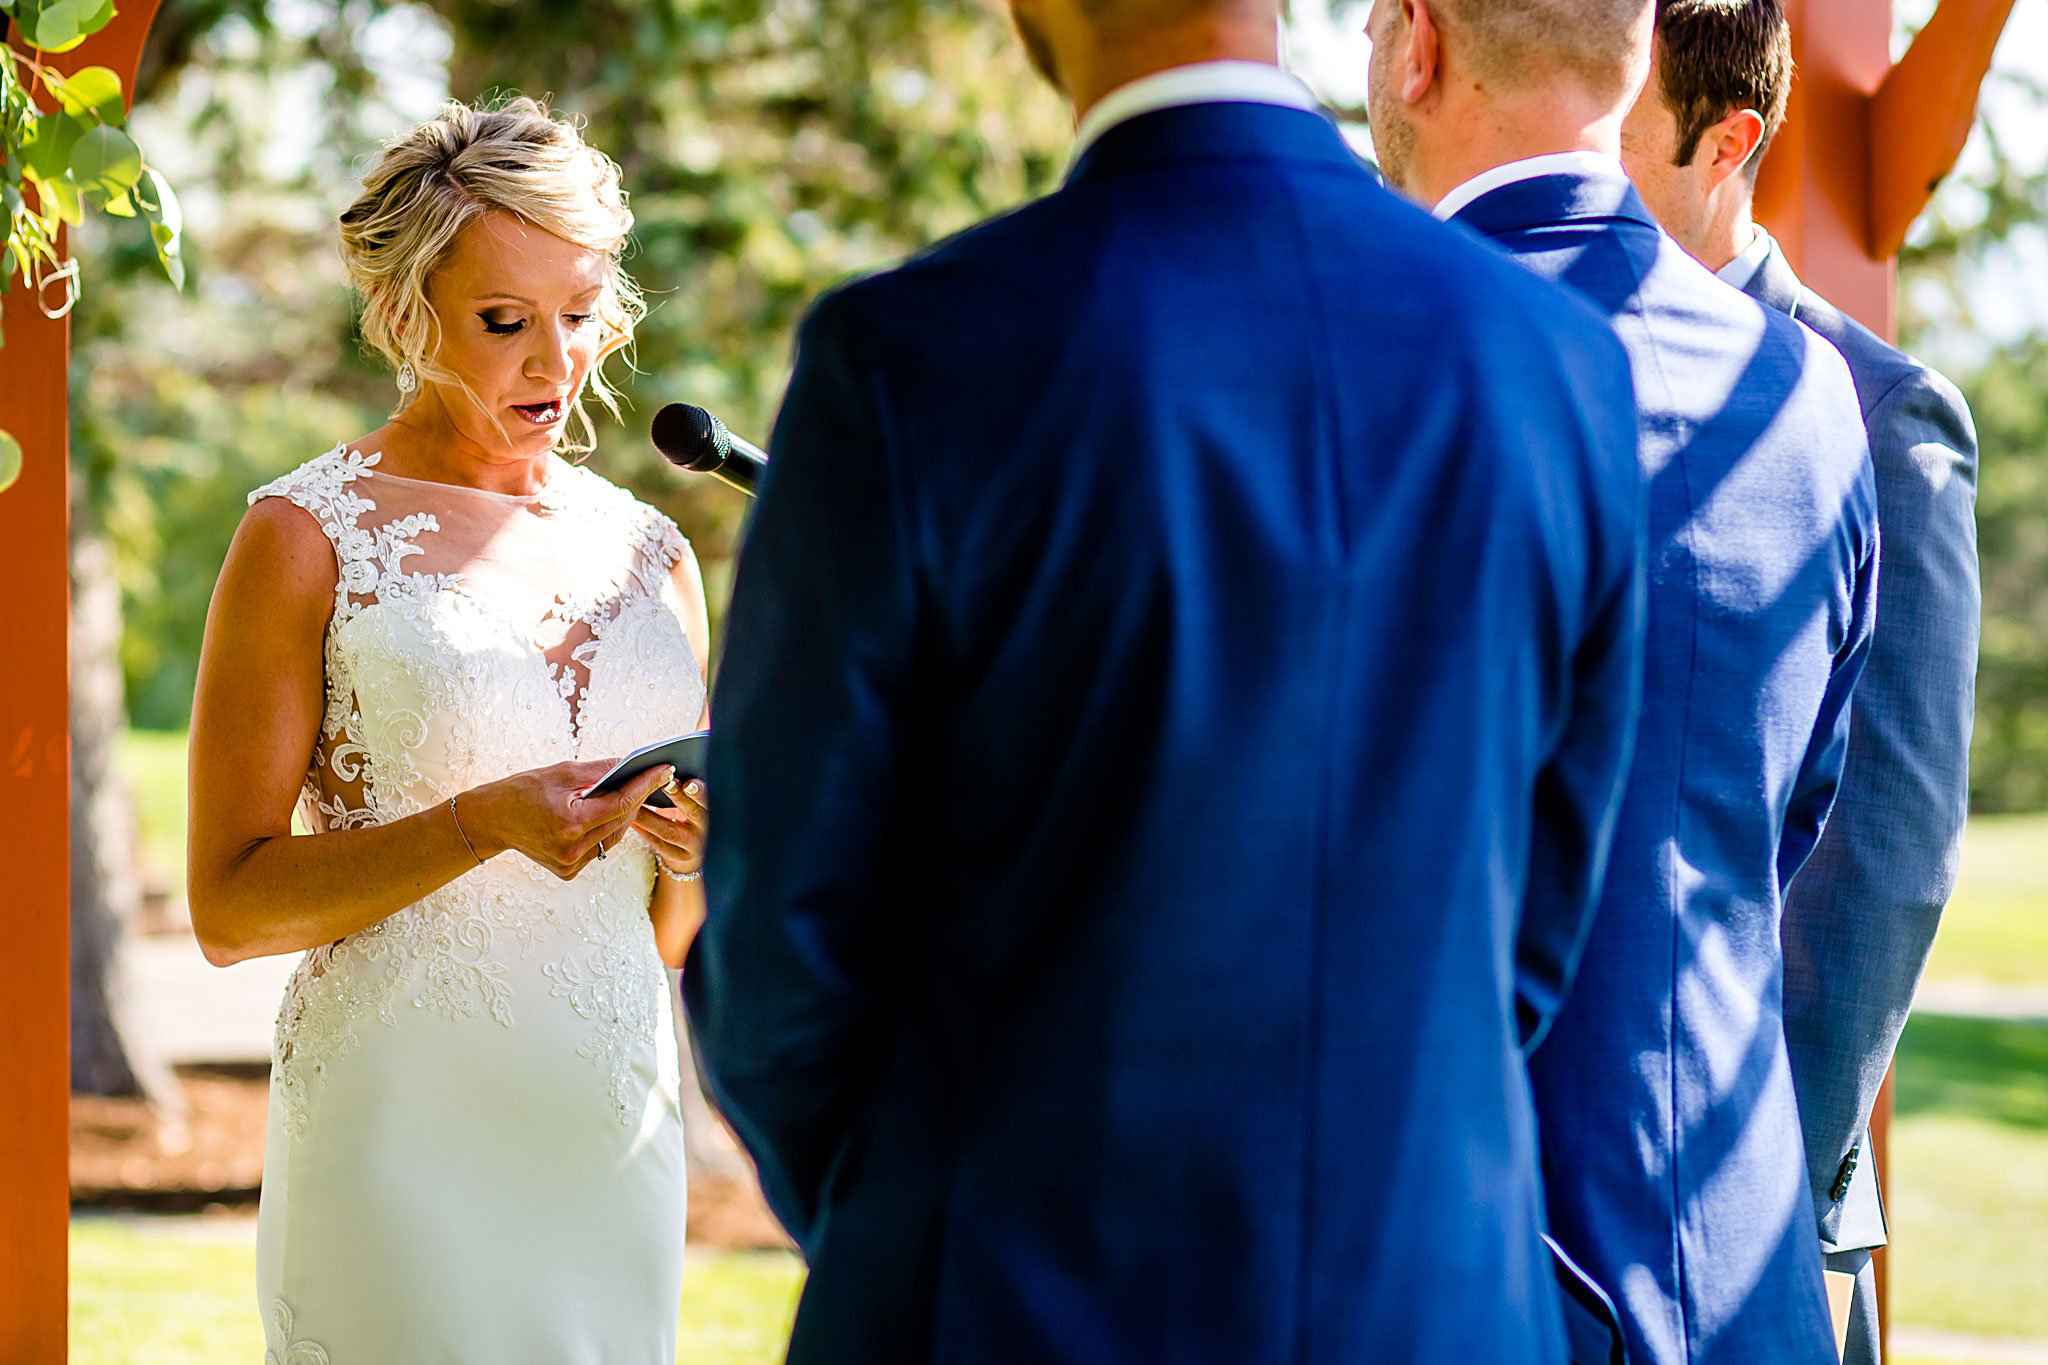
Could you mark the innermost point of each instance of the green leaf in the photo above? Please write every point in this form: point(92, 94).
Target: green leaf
point(48, 153)
point(93, 94)
point(96, 16)
point(51, 25)
point(166, 223)
point(10, 461)
point(105, 163)
point(60, 25)
point(62, 197)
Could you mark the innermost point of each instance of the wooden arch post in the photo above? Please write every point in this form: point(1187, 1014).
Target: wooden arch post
point(1864, 145)
point(35, 787)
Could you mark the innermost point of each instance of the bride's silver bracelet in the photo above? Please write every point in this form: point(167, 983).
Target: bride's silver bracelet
point(456, 816)
point(696, 876)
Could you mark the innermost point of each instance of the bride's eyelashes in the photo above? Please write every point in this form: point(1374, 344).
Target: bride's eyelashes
point(506, 329)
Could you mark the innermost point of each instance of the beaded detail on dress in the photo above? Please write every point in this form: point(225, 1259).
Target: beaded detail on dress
point(476, 635)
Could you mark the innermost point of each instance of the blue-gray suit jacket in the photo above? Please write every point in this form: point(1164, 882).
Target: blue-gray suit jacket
point(1860, 919)
point(1672, 1151)
point(1176, 696)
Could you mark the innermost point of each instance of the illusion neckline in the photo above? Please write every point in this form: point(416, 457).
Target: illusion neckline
point(557, 466)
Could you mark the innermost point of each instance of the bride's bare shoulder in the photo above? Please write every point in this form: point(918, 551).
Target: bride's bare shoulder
point(280, 549)
point(284, 538)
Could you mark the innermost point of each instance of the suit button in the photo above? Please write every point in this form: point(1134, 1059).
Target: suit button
point(1848, 1169)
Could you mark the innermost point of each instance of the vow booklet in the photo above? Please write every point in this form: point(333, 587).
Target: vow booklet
point(686, 755)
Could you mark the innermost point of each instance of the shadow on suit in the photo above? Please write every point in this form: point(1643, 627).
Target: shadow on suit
point(1672, 1144)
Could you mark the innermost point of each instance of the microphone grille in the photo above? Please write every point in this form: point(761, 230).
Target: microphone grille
point(690, 437)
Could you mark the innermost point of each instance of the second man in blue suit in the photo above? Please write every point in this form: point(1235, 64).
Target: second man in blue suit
point(1860, 920)
point(1672, 1145)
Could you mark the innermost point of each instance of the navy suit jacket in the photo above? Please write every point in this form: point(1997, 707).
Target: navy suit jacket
point(1178, 689)
point(1671, 1139)
point(1860, 920)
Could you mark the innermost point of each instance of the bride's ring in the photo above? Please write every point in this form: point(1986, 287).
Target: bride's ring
point(601, 850)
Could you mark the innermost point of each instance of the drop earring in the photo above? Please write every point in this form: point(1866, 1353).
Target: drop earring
point(407, 380)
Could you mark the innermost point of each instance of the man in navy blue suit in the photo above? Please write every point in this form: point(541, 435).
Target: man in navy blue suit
point(1177, 697)
point(1672, 1148)
point(1860, 920)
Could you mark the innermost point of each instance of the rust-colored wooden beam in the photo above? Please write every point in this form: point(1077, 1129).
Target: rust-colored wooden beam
point(1921, 116)
point(1813, 190)
point(35, 785)
point(35, 756)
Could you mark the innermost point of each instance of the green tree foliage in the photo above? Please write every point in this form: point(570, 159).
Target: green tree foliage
point(1956, 252)
point(2009, 761)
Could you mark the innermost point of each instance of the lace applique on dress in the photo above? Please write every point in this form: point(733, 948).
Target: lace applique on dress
point(295, 1352)
point(475, 635)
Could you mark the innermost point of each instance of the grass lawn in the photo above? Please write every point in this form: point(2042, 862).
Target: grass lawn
point(1968, 1197)
point(145, 1292)
point(1996, 928)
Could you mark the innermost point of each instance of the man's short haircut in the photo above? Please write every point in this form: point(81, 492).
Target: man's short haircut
point(1510, 41)
point(1717, 57)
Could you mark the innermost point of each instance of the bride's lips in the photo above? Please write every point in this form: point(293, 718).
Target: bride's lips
point(541, 414)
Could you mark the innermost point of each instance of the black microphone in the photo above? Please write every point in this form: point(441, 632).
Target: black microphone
point(691, 438)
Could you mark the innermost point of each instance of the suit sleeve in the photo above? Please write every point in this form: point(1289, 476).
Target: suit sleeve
point(1861, 916)
point(1580, 787)
point(787, 986)
point(1820, 772)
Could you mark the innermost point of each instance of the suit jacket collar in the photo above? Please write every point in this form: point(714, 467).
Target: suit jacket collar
point(1775, 285)
point(1199, 83)
point(1560, 197)
point(1196, 133)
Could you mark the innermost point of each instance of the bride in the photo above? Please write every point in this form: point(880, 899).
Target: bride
point(431, 641)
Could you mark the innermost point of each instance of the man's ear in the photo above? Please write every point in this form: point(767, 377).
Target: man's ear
point(1731, 143)
point(1420, 57)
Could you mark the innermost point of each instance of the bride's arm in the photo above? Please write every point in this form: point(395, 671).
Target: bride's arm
point(677, 837)
point(254, 889)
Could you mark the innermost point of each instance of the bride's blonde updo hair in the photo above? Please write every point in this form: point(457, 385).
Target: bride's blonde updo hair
point(446, 173)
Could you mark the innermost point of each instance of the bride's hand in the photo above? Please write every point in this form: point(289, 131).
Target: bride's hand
point(677, 834)
point(545, 815)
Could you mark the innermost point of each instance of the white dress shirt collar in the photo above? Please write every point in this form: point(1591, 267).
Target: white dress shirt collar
point(1200, 83)
point(1740, 271)
point(1551, 163)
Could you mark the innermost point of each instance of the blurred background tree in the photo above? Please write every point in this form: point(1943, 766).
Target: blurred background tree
point(1983, 234)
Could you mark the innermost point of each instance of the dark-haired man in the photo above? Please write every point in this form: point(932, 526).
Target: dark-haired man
point(1673, 1162)
point(1861, 917)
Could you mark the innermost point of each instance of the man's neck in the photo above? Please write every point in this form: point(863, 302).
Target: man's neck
point(1496, 136)
point(1729, 228)
point(1226, 34)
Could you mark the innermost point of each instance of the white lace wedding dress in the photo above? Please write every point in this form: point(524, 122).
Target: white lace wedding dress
point(475, 1151)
